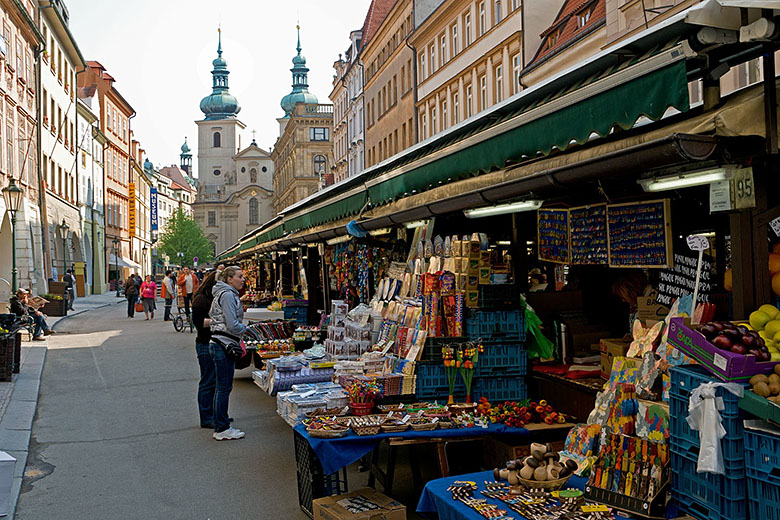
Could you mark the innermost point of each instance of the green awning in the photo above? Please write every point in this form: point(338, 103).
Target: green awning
point(270, 234)
point(342, 206)
point(649, 95)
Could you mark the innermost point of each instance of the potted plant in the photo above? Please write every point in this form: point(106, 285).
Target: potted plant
point(56, 305)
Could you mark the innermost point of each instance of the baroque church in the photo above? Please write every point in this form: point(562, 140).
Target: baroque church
point(235, 183)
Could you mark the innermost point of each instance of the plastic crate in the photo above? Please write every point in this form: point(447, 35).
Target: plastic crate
point(499, 295)
point(432, 382)
point(684, 440)
point(502, 360)
point(312, 482)
point(496, 389)
point(508, 325)
point(686, 379)
point(432, 349)
point(706, 495)
point(763, 499)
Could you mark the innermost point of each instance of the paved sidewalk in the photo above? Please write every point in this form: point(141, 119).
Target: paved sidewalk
point(88, 303)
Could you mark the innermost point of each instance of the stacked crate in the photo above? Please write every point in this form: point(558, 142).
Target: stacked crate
point(706, 495)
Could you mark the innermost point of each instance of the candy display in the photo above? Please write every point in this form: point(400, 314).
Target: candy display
point(639, 234)
point(362, 395)
point(554, 235)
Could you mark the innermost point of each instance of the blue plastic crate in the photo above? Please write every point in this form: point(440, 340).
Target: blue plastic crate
point(502, 360)
point(684, 440)
point(763, 499)
point(487, 325)
point(497, 389)
point(686, 379)
point(706, 495)
point(762, 456)
point(432, 382)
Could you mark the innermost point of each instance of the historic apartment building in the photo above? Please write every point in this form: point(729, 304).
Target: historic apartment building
point(389, 88)
point(89, 166)
point(59, 63)
point(469, 58)
point(347, 99)
point(115, 114)
point(235, 187)
point(303, 152)
point(19, 129)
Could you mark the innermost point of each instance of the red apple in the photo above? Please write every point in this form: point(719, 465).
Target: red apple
point(739, 348)
point(723, 343)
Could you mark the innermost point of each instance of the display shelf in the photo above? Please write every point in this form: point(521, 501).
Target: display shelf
point(639, 234)
point(553, 235)
point(588, 235)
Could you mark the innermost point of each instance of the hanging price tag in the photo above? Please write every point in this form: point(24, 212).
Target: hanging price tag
point(698, 243)
point(594, 508)
point(775, 225)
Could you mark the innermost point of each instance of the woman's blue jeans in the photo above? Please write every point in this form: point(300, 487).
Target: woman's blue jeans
point(207, 384)
point(224, 369)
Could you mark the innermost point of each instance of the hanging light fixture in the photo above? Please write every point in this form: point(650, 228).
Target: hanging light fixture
point(685, 180)
point(503, 209)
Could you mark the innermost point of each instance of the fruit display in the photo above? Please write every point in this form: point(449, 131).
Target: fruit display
point(543, 465)
point(738, 338)
point(767, 386)
point(518, 415)
point(766, 323)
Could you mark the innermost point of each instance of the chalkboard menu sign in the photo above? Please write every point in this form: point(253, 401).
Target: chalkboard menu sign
point(553, 225)
point(681, 279)
point(589, 235)
point(639, 234)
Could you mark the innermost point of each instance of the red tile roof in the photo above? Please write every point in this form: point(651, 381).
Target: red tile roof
point(177, 176)
point(377, 12)
point(566, 24)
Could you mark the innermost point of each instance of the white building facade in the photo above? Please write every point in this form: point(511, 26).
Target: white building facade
point(347, 99)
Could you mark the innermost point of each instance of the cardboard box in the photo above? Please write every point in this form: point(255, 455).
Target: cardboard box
point(457, 248)
point(484, 275)
point(648, 311)
point(496, 453)
point(344, 507)
point(472, 299)
point(610, 349)
point(484, 258)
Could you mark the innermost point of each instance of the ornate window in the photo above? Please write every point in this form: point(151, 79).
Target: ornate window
point(212, 218)
point(253, 175)
point(217, 173)
point(217, 140)
point(319, 164)
point(253, 211)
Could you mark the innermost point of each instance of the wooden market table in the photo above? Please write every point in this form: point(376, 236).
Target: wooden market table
point(575, 397)
point(536, 432)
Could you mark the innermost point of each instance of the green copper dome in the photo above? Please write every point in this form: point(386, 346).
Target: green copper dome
point(300, 86)
point(220, 104)
point(185, 148)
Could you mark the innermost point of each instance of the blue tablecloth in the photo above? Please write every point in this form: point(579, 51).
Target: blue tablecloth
point(335, 454)
point(436, 499)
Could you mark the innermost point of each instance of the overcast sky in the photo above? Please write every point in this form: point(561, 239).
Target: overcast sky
point(160, 53)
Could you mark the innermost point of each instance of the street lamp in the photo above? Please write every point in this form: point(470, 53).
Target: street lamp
point(116, 260)
point(143, 256)
point(64, 228)
point(13, 201)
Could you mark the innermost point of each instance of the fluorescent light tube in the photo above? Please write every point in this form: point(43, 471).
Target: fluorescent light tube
point(685, 180)
point(416, 224)
point(502, 209)
point(338, 240)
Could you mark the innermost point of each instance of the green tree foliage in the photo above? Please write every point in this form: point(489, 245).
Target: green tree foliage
point(182, 234)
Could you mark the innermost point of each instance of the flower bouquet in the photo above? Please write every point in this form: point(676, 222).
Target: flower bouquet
point(451, 365)
point(467, 363)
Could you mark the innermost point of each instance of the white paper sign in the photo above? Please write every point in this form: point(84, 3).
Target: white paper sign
point(720, 196)
point(698, 243)
point(775, 225)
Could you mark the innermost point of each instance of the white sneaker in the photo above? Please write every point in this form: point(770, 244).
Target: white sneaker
point(230, 434)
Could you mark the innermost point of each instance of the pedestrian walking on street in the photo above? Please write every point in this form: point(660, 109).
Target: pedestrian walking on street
point(226, 331)
point(148, 296)
point(168, 293)
point(70, 293)
point(20, 305)
point(131, 293)
point(201, 305)
point(200, 273)
point(189, 284)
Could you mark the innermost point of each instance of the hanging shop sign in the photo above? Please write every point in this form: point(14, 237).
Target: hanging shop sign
point(153, 208)
point(681, 279)
point(736, 193)
point(131, 213)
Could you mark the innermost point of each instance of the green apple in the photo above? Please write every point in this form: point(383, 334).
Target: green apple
point(759, 319)
point(771, 310)
point(775, 356)
point(772, 327)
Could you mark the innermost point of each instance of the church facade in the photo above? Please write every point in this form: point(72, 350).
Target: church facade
point(235, 182)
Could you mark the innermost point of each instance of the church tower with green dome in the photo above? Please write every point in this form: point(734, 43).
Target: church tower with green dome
point(185, 158)
point(300, 85)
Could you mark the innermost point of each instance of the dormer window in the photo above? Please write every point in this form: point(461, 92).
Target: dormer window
point(584, 16)
point(553, 38)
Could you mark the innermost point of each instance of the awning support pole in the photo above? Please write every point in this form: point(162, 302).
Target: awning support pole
point(770, 99)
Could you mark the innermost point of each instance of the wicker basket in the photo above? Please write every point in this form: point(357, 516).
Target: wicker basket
point(365, 425)
point(391, 408)
point(549, 485)
point(459, 408)
point(422, 425)
point(390, 426)
point(327, 434)
point(330, 412)
point(366, 430)
point(446, 425)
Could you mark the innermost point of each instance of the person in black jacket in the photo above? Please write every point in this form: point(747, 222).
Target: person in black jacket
point(20, 305)
point(201, 303)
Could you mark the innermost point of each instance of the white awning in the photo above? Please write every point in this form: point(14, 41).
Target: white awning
point(725, 14)
point(122, 262)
